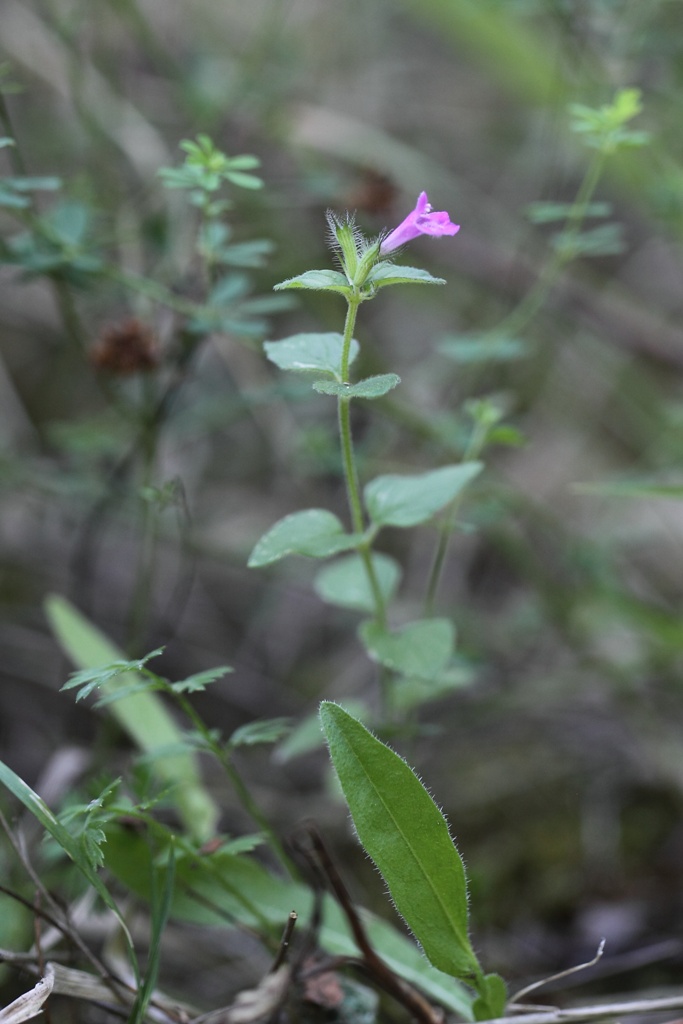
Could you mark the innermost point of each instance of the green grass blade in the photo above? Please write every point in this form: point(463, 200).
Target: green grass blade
point(160, 906)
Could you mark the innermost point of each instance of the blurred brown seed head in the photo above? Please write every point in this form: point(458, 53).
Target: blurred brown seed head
point(374, 193)
point(125, 348)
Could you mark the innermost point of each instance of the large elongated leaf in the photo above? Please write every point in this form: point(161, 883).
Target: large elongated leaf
point(408, 500)
point(407, 836)
point(143, 716)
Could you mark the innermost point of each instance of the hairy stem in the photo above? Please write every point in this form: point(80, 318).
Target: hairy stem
point(350, 468)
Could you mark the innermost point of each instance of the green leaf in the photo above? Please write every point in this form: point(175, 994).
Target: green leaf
point(318, 280)
point(407, 692)
point(268, 730)
point(345, 583)
point(245, 254)
point(314, 532)
point(249, 181)
point(243, 162)
point(25, 184)
point(319, 353)
point(606, 240)
point(546, 213)
point(371, 387)
point(483, 349)
point(506, 435)
point(143, 716)
point(419, 649)
point(200, 680)
point(228, 289)
point(70, 221)
point(407, 837)
point(90, 679)
point(308, 735)
point(490, 1003)
point(603, 127)
point(408, 500)
point(11, 201)
point(386, 273)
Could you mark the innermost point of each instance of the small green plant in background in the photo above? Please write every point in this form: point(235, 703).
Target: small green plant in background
point(604, 131)
point(113, 453)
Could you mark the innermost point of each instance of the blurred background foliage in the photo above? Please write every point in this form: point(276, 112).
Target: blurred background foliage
point(139, 490)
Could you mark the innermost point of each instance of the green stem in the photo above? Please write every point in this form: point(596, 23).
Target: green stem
point(142, 591)
point(243, 794)
point(534, 299)
point(474, 447)
point(350, 468)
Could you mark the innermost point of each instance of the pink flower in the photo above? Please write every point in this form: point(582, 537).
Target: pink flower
point(422, 221)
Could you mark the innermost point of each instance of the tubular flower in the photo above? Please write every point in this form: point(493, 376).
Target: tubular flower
point(421, 221)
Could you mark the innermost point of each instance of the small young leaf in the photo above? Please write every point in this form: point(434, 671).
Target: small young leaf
point(244, 180)
point(490, 1003)
point(11, 201)
point(90, 679)
point(267, 731)
point(387, 273)
point(484, 349)
point(345, 583)
point(319, 353)
point(371, 387)
point(245, 254)
point(409, 500)
point(546, 213)
point(407, 837)
point(200, 680)
point(314, 532)
point(243, 162)
point(25, 184)
point(419, 649)
point(318, 280)
point(606, 240)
